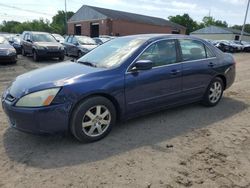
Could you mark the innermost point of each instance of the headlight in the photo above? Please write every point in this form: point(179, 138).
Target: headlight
point(61, 48)
point(11, 50)
point(38, 99)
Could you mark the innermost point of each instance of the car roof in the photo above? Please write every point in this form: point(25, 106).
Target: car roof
point(163, 36)
point(35, 32)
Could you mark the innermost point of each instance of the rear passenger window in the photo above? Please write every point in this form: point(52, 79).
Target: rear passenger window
point(209, 53)
point(192, 50)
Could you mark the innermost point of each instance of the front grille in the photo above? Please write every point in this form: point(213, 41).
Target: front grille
point(52, 47)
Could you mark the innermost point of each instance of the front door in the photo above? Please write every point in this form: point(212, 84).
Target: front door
point(160, 86)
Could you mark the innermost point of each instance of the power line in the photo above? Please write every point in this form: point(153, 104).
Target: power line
point(26, 10)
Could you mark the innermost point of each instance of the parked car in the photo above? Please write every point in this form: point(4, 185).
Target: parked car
point(238, 46)
point(59, 38)
point(246, 45)
point(16, 43)
point(98, 41)
point(225, 46)
point(124, 78)
point(41, 44)
point(7, 52)
point(78, 46)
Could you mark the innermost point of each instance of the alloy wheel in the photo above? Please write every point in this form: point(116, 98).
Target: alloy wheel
point(215, 92)
point(96, 121)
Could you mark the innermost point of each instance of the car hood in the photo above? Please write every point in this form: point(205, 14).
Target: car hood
point(56, 75)
point(48, 44)
point(5, 46)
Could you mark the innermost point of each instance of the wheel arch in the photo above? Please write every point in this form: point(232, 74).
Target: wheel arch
point(105, 95)
point(223, 78)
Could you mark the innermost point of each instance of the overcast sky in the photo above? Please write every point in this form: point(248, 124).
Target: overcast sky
point(232, 11)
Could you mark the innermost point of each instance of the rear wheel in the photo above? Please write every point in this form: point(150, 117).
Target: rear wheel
point(214, 92)
point(93, 119)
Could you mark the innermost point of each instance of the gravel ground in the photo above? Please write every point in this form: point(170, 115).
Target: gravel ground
point(189, 146)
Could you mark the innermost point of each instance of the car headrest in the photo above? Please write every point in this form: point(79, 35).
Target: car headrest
point(195, 51)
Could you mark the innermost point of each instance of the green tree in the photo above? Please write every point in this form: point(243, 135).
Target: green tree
point(239, 27)
point(58, 22)
point(186, 21)
point(209, 20)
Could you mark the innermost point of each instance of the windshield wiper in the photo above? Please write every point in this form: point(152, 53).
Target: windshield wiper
point(87, 63)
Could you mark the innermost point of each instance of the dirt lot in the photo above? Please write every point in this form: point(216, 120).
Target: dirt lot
point(189, 146)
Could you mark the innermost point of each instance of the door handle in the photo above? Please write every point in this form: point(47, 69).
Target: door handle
point(175, 72)
point(211, 64)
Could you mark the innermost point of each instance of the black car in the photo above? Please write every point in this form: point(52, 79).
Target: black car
point(78, 46)
point(41, 44)
point(15, 41)
point(7, 52)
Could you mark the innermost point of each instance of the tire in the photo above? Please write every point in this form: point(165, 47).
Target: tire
point(35, 56)
point(80, 54)
point(61, 58)
point(23, 52)
point(214, 92)
point(87, 114)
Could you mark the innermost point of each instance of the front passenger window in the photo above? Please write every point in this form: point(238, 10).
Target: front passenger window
point(161, 53)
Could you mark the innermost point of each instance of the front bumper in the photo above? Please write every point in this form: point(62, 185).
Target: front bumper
point(50, 53)
point(51, 119)
point(8, 58)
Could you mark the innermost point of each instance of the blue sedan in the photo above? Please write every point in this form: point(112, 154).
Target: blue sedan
point(121, 79)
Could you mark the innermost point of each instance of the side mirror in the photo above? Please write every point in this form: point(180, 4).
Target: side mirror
point(76, 43)
point(143, 65)
point(28, 40)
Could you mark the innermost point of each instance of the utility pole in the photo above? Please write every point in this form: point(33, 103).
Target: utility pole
point(66, 19)
point(243, 28)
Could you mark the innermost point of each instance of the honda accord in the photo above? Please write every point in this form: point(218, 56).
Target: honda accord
point(121, 79)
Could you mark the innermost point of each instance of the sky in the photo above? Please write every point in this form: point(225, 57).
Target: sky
point(231, 11)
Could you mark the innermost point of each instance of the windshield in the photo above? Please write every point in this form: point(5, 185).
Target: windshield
point(85, 40)
point(113, 53)
point(3, 40)
point(58, 37)
point(43, 38)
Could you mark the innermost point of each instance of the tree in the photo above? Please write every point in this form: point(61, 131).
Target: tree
point(57, 25)
point(58, 22)
point(209, 20)
point(186, 21)
point(239, 27)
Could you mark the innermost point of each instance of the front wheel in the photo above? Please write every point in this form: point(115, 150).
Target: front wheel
point(23, 52)
point(93, 119)
point(214, 92)
point(35, 56)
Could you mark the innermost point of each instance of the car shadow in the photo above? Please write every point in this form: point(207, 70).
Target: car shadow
point(58, 151)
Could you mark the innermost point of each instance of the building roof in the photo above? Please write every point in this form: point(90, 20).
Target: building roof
point(86, 13)
point(218, 30)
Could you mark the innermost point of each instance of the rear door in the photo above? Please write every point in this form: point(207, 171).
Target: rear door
point(197, 67)
point(160, 86)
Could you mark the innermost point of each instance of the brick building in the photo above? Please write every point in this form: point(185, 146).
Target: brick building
point(94, 21)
